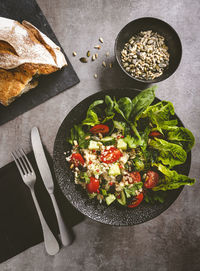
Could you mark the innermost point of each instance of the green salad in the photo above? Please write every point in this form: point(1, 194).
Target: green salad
point(125, 150)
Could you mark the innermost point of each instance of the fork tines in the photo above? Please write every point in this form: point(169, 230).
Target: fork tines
point(22, 162)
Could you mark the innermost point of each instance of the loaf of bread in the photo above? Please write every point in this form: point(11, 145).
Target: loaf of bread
point(25, 53)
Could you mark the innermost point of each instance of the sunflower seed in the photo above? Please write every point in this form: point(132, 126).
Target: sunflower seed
point(83, 60)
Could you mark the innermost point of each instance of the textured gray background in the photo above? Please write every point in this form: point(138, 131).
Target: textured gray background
point(170, 241)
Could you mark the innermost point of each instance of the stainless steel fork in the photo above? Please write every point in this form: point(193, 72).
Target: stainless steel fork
point(29, 178)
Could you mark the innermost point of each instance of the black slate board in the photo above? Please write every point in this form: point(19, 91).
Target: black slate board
point(49, 85)
point(20, 227)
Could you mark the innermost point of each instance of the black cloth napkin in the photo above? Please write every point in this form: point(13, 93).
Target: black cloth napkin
point(19, 225)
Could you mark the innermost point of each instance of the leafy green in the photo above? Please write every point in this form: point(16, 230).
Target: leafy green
point(153, 197)
point(125, 106)
point(142, 101)
point(91, 116)
point(132, 191)
point(78, 134)
point(172, 179)
point(169, 153)
point(122, 199)
point(131, 141)
point(120, 125)
point(159, 114)
point(110, 105)
point(181, 135)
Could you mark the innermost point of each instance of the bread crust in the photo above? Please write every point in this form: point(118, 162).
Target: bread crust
point(24, 53)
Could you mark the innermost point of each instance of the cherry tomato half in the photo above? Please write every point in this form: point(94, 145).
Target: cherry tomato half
point(110, 156)
point(155, 134)
point(93, 185)
point(137, 200)
point(77, 159)
point(100, 128)
point(136, 177)
point(151, 179)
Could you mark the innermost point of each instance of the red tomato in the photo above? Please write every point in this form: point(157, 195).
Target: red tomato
point(93, 185)
point(100, 128)
point(151, 179)
point(77, 159)
point(111, 155)
point(155, 134)
point(137, 200)
point(136, 178)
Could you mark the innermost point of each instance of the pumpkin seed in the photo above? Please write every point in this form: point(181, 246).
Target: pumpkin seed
point(83, 60)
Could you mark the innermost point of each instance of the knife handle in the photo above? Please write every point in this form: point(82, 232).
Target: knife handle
point(65, 233)
point(50, 242)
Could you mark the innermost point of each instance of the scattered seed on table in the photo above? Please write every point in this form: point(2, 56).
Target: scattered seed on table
point(107, 54)
point(96, 55)
point(93, 57)
point(95, 76)
point(97, 47)
point(88, 54)
point(83, 60)
point(101, 40)
point(74, 53)
point(104, 63)
point(110, 65)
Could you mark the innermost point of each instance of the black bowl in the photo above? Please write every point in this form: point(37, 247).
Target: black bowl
point(114, 214)
point(171, 38)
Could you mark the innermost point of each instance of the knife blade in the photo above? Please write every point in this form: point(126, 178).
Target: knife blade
point(65, 233)
point(41, 160)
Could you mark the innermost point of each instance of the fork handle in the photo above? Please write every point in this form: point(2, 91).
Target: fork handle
point(65, 233)
point(51, 244)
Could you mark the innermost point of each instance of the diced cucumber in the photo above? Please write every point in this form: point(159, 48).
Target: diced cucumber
point(114, 170)
point(110, 198)
point(122, 200)
point(93, 145)
point(108, 140)
point(121, 144)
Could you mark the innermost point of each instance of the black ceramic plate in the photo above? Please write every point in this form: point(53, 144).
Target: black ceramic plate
point(114, 214)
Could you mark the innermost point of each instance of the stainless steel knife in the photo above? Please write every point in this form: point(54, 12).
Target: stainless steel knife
point(65, 233)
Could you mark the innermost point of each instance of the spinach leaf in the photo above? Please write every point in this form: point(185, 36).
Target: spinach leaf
point(91, 116)
point(169, 153)
point(118, 110)
point(142, 101)
point(125, 106)
point(172, 179)
point(181, 135)
point(110, 105)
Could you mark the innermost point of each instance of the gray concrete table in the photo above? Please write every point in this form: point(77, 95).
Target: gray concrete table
point(170, 241)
